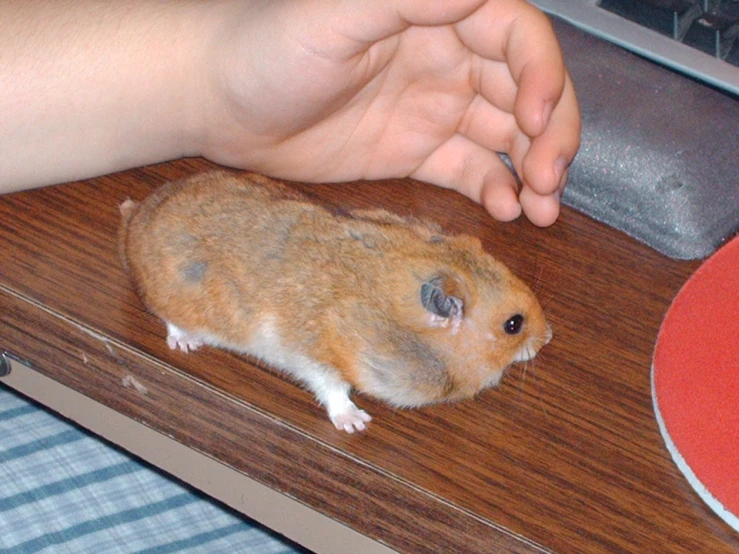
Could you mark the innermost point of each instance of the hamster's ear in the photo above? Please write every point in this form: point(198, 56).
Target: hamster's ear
point(439, 299)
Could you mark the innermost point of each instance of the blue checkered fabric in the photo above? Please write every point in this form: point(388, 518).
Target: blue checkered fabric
point(63, 490)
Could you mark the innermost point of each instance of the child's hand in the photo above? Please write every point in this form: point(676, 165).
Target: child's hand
point(328, 90)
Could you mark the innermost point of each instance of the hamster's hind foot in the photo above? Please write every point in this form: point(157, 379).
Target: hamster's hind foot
point(345, 415)
point(333, 393)
point(352, 419)
point(179, 339)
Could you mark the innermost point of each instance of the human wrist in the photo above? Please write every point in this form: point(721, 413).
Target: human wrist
point(194, 95)
point(209, 30)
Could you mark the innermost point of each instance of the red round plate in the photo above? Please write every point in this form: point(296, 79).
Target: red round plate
point(695, 381)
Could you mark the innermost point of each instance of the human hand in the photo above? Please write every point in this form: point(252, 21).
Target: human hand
point(333, 90)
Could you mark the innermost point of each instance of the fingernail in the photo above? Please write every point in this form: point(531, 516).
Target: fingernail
point(560, 164)
point(546, 113)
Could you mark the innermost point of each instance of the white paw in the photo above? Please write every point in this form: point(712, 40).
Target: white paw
point(351, 419)
point(182, 340)
point(184, 345)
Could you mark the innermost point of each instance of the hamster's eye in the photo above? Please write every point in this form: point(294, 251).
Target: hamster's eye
point(514, 324)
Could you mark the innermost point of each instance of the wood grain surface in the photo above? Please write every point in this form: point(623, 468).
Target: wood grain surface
point(564, 457)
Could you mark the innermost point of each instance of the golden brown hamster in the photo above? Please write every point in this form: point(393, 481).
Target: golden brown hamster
point(388, 306)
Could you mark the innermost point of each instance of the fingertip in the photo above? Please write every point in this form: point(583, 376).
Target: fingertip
point(500, 201)
point(541, 210)
point(540, 174)
point(541, 83)
point(545, 114)
point(546, 163)
point(563, 182)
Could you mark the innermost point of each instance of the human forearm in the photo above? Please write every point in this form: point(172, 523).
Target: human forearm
point(319, 90)
point(93, 86)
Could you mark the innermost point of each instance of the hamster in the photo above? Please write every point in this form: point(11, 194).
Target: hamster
point(368, 301)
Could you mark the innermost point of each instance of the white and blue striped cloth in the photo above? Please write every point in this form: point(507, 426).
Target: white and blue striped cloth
point(63, 490)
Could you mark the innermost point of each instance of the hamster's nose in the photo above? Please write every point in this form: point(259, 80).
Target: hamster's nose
point(531, 347)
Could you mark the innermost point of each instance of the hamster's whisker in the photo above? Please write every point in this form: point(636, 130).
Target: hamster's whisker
point(545, 299)
point(538, 279)
point(524, 365)
point(522, 380)
point(524, 371)
point(537, 286)
point(539, 391)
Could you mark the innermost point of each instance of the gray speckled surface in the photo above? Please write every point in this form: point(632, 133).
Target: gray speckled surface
point(660, 153)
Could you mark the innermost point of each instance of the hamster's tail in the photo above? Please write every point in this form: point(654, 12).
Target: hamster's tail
point(128, 207)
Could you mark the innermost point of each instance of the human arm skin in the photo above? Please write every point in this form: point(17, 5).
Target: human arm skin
point(92, 86)
point(315, 90)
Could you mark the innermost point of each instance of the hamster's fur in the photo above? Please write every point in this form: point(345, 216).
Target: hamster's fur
point(369, 301)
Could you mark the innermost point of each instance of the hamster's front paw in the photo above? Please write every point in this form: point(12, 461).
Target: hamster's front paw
point(177, 338)
point(351, 419)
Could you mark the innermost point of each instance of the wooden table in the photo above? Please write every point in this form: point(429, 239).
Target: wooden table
point(564, 457)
